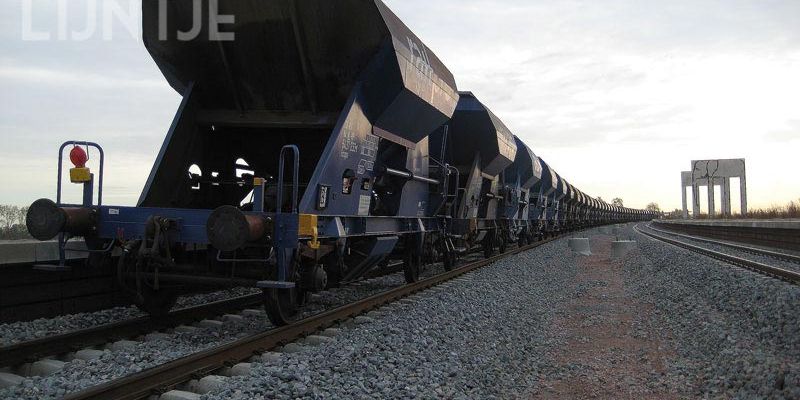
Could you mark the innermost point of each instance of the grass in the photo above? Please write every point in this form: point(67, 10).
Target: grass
point(791, 210)
point(787, 211)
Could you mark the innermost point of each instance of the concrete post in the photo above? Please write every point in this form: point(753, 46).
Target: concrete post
point(726, 197)
point(711, 204)
point(686, 182)
point(685, 202)
point(696, 200)
point(743, 193)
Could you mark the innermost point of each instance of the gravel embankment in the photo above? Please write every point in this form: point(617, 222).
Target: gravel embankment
point(659, 323)
point(737, 333)
point(483, 336)
point(79, 374)
point(548, 324)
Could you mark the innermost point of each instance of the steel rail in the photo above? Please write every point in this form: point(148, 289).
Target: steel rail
point(749, 249)
point(36, 349)
point(159, 379)
point(764, 269)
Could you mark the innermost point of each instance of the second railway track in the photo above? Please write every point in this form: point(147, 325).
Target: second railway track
point(759, 267)
point(748, 249)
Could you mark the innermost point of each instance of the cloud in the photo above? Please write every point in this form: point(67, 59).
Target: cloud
point(618, 95)
point(91, 81)
point(790, 133)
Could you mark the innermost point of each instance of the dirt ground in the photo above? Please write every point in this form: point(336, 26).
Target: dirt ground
point(608, 353)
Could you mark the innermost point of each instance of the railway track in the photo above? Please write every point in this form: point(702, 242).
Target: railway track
point(33, 350)
point(161, 379)
point(36, 349)
point(749, 249)
point(761, 268)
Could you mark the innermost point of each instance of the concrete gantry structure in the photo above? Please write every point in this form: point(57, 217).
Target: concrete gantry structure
point(712, 173)
point(695, 185)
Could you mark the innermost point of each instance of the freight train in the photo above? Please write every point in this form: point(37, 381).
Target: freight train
point(324, 141)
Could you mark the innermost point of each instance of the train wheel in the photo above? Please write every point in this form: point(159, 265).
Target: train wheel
point(157, 303)
point(412, 264)
point(449, 260)
point(412, 258)
point(448, 254)
point(281, 305)
point(488, 246)
point(502, 244)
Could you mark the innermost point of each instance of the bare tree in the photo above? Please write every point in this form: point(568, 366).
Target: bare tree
point(653, 207)
point(617, 202)
point(22, 214)
point(8, 216)
point(12, 222)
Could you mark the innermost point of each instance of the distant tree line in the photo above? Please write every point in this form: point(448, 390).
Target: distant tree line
point(12, 223)
point(653, 207)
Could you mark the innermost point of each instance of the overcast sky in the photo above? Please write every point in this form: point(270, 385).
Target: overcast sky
point(618, 96)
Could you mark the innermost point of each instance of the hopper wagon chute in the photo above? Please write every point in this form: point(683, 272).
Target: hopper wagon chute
point(480, 147)
point(518, 179)
point(540, 194)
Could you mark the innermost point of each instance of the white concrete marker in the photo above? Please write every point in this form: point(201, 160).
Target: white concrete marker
point(580, 246)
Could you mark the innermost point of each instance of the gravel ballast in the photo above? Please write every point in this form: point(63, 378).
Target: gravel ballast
point(167, 346)
point(737, 333)
point(16, 332)
point(481, 336)
point(668, 324)
point(660, 322)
